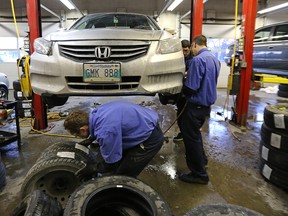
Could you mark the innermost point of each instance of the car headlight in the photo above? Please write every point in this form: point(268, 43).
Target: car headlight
point(43, 46)
point(169, 46)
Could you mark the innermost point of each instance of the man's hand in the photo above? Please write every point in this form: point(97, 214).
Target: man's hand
point(87, 172)
point(86, 142)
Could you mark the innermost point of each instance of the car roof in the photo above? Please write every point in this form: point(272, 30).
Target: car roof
point(272, 25)
point(93, 14)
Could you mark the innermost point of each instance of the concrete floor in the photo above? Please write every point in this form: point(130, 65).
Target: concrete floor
point(233, 158)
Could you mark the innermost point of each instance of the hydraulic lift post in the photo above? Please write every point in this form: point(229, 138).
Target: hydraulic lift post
point(248, 31)
point(196, 18)
point(35, 31)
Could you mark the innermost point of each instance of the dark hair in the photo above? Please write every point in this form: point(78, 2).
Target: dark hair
point(185, 43)
point(200, 40)
point(75, 120)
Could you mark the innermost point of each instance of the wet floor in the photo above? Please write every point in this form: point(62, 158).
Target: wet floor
point(233, 154)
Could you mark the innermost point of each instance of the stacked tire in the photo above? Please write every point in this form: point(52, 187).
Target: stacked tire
point(274, 145)
point(54, 171)
point(24, 103)
point(52, 182)
point(283, 90)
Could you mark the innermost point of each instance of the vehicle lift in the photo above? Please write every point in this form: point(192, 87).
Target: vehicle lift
point(35, 31)
point(241, 76)
point(264, 78)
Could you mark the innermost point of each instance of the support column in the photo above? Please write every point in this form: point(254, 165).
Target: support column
point(248, 31)
point(35, 31)
point(196, 18)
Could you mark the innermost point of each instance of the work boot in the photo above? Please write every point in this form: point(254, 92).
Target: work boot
point(178, 137)
point(192, 178)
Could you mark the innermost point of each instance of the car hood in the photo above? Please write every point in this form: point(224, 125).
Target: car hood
point(107, 34)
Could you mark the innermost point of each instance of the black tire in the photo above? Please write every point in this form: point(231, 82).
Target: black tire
point(56, 177)
point(283, 87)
point(221, 209)
point(276, 116)
point(3, 93)
point(53, 101)
point(282, 93)
point(38, 203)
point(274, 175)
point(275, 138)
point(17, 85)
point(81, 153)
point(112, 195)
point(275, 157)
point(2, 175)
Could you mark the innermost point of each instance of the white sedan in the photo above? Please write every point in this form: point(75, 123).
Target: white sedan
point(107, 54)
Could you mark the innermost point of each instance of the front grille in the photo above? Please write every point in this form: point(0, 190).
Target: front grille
point(127, 82)
point(121, 52)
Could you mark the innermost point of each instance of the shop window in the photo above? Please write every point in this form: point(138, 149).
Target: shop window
point(218, 46)
point(11, 49)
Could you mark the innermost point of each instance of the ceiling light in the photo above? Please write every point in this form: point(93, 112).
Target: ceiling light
point(174, 5)
point(267, 10)
point(68, 4)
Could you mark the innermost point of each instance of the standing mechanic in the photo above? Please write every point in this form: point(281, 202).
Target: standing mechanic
point(128, 134)
point(200, 91)
point(181, 101)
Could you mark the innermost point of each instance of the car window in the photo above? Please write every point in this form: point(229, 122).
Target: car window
point(115, 21)
point(281, 33)
point(262, 35)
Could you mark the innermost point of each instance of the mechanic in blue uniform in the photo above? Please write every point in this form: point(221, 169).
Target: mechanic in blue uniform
point(128, 135)
point(200, 91)
point(181, 101)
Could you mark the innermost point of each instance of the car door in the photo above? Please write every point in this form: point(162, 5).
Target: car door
point(277, 59)
point(261, 48)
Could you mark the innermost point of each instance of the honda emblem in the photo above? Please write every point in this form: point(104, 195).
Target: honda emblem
point(102, 52)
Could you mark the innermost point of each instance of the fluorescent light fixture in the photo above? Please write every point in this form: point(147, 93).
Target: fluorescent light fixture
point(267, 10)
point(68, 4)
point(174, 5)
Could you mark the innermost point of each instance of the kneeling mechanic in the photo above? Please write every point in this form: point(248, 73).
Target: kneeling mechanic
point(128, 135)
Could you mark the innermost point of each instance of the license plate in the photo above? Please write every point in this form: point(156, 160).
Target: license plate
point(102, 73)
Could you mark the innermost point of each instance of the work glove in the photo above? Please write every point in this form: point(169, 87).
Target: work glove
point(87, 142)
point(104, 167)
point(87, 172)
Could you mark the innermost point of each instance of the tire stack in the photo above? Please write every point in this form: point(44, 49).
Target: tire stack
point(54, 171)
point(274, 145)
point(283, 90)
point(51, 188)
point(24, 103)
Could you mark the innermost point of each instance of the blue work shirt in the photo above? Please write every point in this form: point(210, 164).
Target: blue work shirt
point(202, 78)
point(120, 125)
point(188, 60)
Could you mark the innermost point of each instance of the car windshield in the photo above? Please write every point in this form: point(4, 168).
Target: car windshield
point(132, 21)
